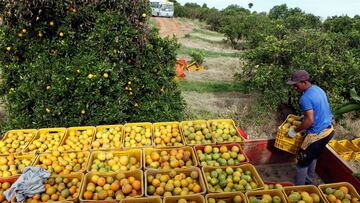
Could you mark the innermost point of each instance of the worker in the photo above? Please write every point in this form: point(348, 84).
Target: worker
point(316, 124)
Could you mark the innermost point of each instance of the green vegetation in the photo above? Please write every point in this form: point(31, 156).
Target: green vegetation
point(286, 39)
point(206, 32)
point(189, 50)
point(209, 86)
point(85, 63)
point(197, 56)
point(204, 39)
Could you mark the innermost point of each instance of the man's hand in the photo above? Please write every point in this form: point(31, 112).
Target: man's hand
point(291, 132)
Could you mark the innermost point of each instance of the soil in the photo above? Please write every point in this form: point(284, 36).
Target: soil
point(170, 26)
point(281, 173)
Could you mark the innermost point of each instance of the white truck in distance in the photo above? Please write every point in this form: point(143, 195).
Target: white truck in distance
point(162, 8)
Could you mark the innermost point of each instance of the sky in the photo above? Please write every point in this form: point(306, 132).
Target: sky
point(322, 8)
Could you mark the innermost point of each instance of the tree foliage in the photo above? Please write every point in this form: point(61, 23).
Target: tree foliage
point(323, 55)
point(85, 63)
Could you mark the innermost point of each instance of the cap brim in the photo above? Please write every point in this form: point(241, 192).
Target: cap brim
point(290, 82)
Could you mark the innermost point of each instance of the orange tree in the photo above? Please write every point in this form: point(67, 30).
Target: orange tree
point(66, 63)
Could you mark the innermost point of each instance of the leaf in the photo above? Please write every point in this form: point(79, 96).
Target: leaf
point(354, 95)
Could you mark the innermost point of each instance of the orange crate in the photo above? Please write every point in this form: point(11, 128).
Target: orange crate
point(342, 151)
point(137, 174)
point(17, 158)
point(207, 139)
point(84, 134)
point(54, 134)
point(293, 149)
point(356, 142)
point(225, 196)
point(304, 188)
point(81, 168)
point(148, 151)
point(352, 190)
point(186, 171)
point(189, 198)
point(109, 144)
point(155, 199)
point(70, 177)
point(131, 153)
point(168, 142)
point(248, 167)
point(355, 149)
point(281, 135)
point(128, 130)
point(228, 146)
point(7, 143)
point(272, 193)
point(237, 137)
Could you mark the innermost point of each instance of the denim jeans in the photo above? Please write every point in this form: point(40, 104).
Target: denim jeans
point(305, 167)
point(305, 174)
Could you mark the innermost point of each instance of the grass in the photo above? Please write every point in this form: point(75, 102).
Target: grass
point(152, 23)
point(189, 50)
point(207, 32)
point(205, 40)
point(209, 86)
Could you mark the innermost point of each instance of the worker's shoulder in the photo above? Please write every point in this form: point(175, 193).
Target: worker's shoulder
point(314, 89)
point(312, 93)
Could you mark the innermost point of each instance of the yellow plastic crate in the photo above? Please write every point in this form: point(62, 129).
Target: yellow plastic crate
point(148, 151)
point(255, 175)
point(30, 157)
point(274, 192)
point(225, 196)
point(283, 141)
point(38, 161)
point(352, 190)
point(15, 134)
point(74, 129)
point(356, 150)
point(136, 153)
point(79, 176)
point(154, 199)
point(228, 121)
point(101, 128)
point(189, 198)
point(356, 142)
point(186, 140)
point(304, 188)
point(145, 125)
point(44, 131)
point(156, 139)
point(137, 174)
point(342, 151)
point(186, 171)
point(293, 149)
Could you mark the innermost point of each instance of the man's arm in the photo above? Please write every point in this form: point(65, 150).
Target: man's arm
point(307, 121)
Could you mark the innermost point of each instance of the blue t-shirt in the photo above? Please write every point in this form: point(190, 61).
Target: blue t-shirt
point(315, 98)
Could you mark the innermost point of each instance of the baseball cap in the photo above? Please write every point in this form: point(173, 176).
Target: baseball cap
point(298, 76)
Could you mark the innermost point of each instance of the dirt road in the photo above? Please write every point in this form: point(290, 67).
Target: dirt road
point(170, 26)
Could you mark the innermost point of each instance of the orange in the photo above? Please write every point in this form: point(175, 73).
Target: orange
point(103, 194)
point(344, 189)
point(331, 198)
point(54, 197)
point(196, 189)
point(126, 189)
point(101, 181)
point(36, 197)
point(114, 186)
point(136, 185)
point(88, 195)
point(45, 197)
point(94, 178)
point(131, 179)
